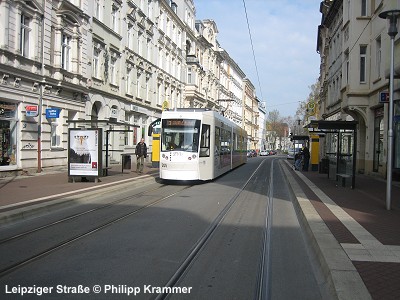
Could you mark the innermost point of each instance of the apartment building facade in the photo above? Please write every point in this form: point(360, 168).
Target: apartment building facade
point(355, 57)
point(250, 114)
point(111, 64)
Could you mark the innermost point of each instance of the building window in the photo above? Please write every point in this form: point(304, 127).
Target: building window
point(55, 135)
point(147, 90)
point(140, 44)
point(129, 37)
point(189, 76)
point(150, 9)
point(96, 63)
point(378, 57)
point(114, 18)
point(178, 70)
point(179, 41)
point(113, 71)
point(160, 94)
point(364, 8)
point(347, 62)
point(98, 10)
point(160, 59)
point(363, 63)
point(168, 30)
point(168, 63)
point(128, 134)
point(128, 84)
point(161, 21)
point(348, 9)
point(24, 36)
point(66, 52)
point(138, 88)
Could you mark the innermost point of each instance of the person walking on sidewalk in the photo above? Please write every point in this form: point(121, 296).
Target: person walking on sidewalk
point(141, 154)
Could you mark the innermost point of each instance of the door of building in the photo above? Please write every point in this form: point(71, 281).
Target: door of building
point(378, 139)
point(5, 143)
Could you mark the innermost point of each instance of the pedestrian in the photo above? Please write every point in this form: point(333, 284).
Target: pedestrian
point(297, 161)
point(306, 158)
point(141, 154)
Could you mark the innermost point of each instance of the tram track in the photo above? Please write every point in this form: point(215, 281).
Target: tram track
point(74, 216)
point(6, 269)
point(205, 238)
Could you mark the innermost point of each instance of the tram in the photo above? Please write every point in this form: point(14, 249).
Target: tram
point(199, 144)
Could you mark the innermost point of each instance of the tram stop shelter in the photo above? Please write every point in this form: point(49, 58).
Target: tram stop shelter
point(299, 140)
point(108, 127)
point(340, 154)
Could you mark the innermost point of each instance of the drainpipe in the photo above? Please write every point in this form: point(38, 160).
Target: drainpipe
point(39, 132)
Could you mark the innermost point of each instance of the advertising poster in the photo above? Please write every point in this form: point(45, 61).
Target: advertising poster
point(84, 152)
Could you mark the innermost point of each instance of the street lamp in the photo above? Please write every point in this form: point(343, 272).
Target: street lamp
point(391, 16)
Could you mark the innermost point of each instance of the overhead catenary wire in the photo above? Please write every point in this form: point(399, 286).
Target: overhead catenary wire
point(252, 48)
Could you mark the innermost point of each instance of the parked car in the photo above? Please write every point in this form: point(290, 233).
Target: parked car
point(264, 153)
point(251, 153)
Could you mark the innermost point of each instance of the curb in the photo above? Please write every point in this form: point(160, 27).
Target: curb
point(343, 279)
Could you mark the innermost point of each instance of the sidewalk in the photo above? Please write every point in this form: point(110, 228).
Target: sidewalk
point(356, 238)
point(28, 190)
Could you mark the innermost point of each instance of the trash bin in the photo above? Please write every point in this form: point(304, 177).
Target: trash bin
point(324, 166)
point(126, 162)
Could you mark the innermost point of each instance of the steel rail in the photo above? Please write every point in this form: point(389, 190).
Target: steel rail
point(64, 243)
point(264, 276)
point(74, 216)
point(196, 249)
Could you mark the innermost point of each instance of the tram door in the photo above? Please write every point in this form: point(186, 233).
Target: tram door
point(5, 144)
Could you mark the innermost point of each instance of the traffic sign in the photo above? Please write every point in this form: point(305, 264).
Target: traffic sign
point(165, 105)
point(311, 108)
point(384, 97)
point(31, 110)
point(52, 113)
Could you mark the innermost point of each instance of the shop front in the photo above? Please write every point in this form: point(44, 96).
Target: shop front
point(8, 135)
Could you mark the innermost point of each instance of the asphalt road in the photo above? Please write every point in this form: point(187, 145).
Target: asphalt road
point(239, 234)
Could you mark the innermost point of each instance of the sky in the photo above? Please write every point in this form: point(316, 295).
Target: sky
point(284, 38)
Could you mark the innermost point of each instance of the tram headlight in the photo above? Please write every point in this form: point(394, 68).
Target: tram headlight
point(194, 156)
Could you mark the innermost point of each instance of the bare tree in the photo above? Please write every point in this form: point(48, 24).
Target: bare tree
point(304, 111)
point(276, 128)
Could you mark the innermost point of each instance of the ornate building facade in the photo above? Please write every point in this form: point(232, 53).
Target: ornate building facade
point(111, 64)
point(354, 48)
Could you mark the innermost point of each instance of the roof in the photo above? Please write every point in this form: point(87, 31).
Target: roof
point(331, 126)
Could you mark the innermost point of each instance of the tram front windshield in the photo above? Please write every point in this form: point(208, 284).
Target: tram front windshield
point(180, 135)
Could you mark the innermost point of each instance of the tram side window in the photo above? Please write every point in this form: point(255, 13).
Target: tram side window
point(225, 141)
point(205, 141)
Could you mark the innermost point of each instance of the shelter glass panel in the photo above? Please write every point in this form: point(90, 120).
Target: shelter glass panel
point(396, 127)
